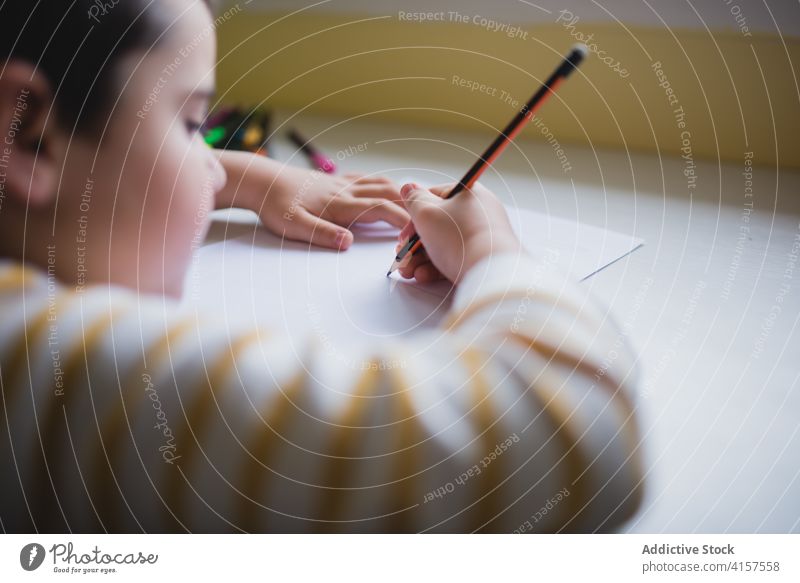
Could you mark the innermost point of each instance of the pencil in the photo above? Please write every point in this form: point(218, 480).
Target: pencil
point(569, 64)
point(320, 160)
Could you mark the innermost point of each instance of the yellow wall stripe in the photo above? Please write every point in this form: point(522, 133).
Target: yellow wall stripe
point(404, 72)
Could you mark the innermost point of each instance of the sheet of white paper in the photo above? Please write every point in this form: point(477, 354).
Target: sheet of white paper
point(246, 274)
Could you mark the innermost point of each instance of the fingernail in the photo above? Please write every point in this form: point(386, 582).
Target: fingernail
point(407, 188)
point(339, 238)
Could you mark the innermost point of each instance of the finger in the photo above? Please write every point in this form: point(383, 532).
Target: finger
point(306, 227)
point(412, 262)
point(371, 210)
point(416, 198)
point(362, 179)
point(387, 192)
point(442, 190)
point(427, 273)
point(406, 232)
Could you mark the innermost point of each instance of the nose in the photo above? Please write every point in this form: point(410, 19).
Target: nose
point(219, 178)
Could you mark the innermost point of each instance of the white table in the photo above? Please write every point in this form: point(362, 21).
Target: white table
point(717, 335)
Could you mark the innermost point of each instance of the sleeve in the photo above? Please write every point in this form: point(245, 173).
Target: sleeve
point(514, 416)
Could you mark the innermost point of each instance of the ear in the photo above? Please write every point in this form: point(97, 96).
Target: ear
point(26, 153)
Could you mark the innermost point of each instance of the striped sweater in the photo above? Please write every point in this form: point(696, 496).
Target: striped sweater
point(120, 413)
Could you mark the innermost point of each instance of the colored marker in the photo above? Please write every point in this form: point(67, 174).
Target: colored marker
point(320, 160)
point(263, 149)
point(217, 118)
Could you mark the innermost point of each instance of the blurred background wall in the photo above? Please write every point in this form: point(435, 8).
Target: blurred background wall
point(723, 71)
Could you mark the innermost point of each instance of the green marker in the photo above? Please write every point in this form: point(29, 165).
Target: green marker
point(215, 135)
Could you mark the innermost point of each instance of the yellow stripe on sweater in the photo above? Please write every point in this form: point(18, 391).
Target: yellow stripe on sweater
point(453, 321)
point(53, 431)
point(618, 399)
point(33, 332)
point(559, 414)
point(16, 277)
point(112, 426)
point(263, 446)
point(578, 363)
point(334, 473)
point(195, 422)
point(404, 457)
point(573, 457)
point(495, 471)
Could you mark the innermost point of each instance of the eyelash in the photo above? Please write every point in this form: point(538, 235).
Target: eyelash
point(193, 127)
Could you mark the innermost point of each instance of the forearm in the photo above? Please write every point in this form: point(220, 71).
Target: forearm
point(238, 192)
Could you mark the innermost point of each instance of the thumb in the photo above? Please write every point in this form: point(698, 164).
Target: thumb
point(415, 198)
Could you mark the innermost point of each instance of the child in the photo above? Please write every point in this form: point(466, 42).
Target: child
point(120, 415)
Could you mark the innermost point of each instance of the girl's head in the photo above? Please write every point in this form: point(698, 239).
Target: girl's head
point(103, 173)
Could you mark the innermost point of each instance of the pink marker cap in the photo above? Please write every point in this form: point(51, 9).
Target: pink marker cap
point(324, 163)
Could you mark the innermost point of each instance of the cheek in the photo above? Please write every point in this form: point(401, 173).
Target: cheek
point(192, 198)
point(180, 198)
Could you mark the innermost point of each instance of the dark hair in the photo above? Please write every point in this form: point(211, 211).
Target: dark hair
point(77, 44)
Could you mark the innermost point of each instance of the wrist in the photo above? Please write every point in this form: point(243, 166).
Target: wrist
point(247, 180)
point(229, 195)
point(505, 275)
point(487, 245)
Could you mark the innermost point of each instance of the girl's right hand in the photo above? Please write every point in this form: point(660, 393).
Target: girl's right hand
point(456, 233)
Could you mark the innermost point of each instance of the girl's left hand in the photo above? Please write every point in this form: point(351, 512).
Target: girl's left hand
point(308, 205)
point(320, 208)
